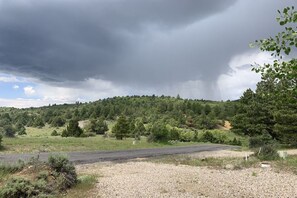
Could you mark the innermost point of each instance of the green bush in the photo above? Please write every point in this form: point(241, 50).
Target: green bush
point(158, 133)
point(235, 142)
point(1, 140)
point(259, 141)
point(174, 134)
point(220, 138)
point(18, 187)
point(97, 126)
point(11, 168)
point(57, 122)
point(57, 175)
point(20, 129)
point(187, 136)
point(23, 188)
point(54, 133)
point(7, 130)
point(64, 133)
point(267, 152)
point(208, 137)
point(38, 122)
point(72, 130)
point(65, 171)
point(255, 142)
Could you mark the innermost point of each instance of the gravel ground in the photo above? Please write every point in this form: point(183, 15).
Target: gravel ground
point(222, 153)
point(147, 179)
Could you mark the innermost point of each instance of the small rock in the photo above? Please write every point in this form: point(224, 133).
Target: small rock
point(229, 166)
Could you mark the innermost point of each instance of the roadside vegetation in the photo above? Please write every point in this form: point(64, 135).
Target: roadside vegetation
point(38, 179)
point(289, 164)
point(233, 163)
point(81, 190)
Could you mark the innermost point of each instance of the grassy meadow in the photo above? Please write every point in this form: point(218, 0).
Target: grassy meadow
point(40, 140)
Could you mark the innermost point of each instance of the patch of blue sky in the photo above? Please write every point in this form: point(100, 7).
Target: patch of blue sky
point(12, 87)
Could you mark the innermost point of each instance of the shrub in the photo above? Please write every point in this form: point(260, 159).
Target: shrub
point(255, 142)
point(20, 129)
point(57, 122)
point(236, 142)
point(38, 122)
point(158, 133)
point(97, 126)
point(220, 138)
point(54, 133)
point(1, 140)
point(65, 171)
point(64, 133)
point(187, 136)
point(173, 134)
point(150, 138)
point(60, 163)
point(11, 168)
point(208, 137)
point(7, 130)
point(22, 188)
point(258, 141)
point(267, 152)
point(195, 139)
point(19, 187)
point(58, 174)
point(72, 130)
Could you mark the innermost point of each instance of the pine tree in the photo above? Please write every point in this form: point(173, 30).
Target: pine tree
point(121, 128)
point(72, 130)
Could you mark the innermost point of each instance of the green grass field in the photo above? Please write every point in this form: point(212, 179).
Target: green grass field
point(48, 144)
point(40, 140)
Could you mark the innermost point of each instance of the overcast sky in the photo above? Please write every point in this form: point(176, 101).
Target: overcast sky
point(60, 51)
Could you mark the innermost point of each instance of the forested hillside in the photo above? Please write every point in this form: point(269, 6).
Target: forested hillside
point(136, 111)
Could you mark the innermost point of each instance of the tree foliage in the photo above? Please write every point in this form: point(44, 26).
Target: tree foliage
point(97, 126)
point(283, 71)
point(272, 109)
point(121, 128)
point(72, 130)
point(158, 133)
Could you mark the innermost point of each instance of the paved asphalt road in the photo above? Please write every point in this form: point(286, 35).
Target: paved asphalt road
point(99, 156)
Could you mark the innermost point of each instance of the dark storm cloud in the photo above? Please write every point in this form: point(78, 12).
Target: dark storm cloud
point(72, 40)
point(134, 42)
point(204, 49)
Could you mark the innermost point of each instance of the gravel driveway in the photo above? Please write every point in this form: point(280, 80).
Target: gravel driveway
point(147, 179)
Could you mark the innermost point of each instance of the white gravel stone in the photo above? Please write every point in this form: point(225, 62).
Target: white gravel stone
point(146, 179)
